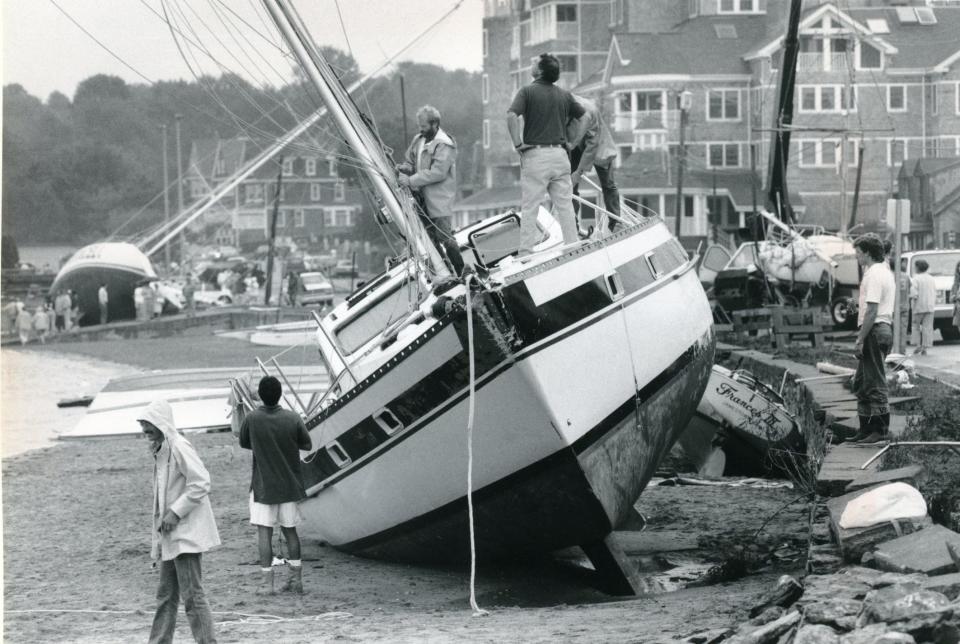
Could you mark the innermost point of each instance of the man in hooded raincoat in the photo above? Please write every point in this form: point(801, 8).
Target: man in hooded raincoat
point(183, 526)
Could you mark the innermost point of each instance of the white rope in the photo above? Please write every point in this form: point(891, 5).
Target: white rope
point(477, 611)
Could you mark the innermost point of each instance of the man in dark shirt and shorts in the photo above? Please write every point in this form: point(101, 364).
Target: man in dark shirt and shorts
point(547, 112)
point(276, 436)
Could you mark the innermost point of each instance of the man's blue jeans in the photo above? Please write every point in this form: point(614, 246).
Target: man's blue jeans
point(870, 381)
point(182, 576)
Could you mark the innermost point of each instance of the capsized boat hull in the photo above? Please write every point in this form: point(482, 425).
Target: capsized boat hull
point(119, 265)
point(580, 391)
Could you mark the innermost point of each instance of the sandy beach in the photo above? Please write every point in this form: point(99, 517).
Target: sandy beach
point(76, 549)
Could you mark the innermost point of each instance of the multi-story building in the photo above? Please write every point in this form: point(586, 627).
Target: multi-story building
point(317, 206)
point(875, 78)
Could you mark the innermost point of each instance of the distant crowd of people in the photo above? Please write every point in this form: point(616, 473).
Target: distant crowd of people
point(54, 314)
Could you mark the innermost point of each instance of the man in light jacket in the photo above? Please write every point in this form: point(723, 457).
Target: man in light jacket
point(923, 302)
point(183, 526)
point(594, 147)
point(430, 169)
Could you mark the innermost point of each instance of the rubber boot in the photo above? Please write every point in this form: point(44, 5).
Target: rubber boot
point(294, 581)
point(266, 583)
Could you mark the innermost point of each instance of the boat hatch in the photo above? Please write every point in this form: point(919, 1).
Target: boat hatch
point(338, 454)
point(614, 285)
point(496, 239)
point(652, 263)
point(368, 324)
point(388, 421)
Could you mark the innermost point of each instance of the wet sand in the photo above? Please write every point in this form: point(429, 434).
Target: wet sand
point(76, 537)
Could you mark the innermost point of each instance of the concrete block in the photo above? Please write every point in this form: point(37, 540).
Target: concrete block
point(854, 542)
point(948, 584)
point(924, 551)
point(907, 475)
point(841, 466)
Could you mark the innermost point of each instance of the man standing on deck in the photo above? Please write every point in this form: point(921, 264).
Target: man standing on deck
point(874, 340)
point(103, 298)
point(594, 147)
point(276, 436)
point(61, 309)
point(430, 169)
point(547, 111)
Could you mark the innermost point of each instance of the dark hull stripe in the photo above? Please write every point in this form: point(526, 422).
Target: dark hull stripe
point(435, 394)
point(594, 519)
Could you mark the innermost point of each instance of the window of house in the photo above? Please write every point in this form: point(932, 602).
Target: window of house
point(568, 62)
point(870, 57)
point(853, 153)
point(515, 81)
point(933, 98)
point(287, 167)
point(486, 42)
point(486, 133)
point(543, 23)
point(896, 152)
point(566, 13)
point(827, 98)
point(688, 205)
point(649, 140)
point(485, 88)
point(311, 167)
point(342, 217)
point(723, 155)
point(332, 165)
point(623, 153)
point(693, 8)
point(339, 191)
point(723, 105)
point(931, 148)
point(314, 192)
point(298, 218)
point(649, 101)
point(956, 97)
point(820, 153)
point(282, 219)
point(526, 36)
point(515, 42)
point(253, 192)
point(896, 98)
point(327, 217)
point(737, 6)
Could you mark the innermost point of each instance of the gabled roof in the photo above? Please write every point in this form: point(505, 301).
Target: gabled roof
point(231, 154)
point(919, 46)
point(496, 197)
point(692, 47)
point(203, 154)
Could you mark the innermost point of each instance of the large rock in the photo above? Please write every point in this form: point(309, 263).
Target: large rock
point(833, 612)
point(766, 634)
point(924, 552)
point(816, 634)
point(896, 638)
point(866, 635)
point(828, 587)
point(894, 609)
point(949, 585)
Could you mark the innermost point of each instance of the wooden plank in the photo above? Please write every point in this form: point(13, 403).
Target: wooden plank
point(617, 574)
point(906, 475)
point(841, 466)
point(925, 552)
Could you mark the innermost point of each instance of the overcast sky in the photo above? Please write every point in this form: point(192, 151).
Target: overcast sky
point(44, 51)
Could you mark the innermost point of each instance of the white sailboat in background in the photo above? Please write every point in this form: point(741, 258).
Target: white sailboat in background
point(581, 363)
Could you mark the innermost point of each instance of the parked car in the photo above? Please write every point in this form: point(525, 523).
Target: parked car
point(212, 297)
point(314, 288)
point(942, 263)
point(345, 268)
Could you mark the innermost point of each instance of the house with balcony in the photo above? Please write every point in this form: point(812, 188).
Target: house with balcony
point(317, 207)
point(877, 83)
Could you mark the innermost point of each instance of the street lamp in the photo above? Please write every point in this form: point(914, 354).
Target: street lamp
point(685, 101)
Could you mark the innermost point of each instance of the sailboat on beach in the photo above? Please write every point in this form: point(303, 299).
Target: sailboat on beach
point(541, 392)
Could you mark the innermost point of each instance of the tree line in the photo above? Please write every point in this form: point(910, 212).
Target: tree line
point(76, 168)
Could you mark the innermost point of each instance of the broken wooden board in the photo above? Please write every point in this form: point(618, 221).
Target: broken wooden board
point(924, 551)
point(841, 466)
point(854, 542)
point(897, 424)
point(655, 541)
point(901, 400)
point(906, 475)
point(617, 574)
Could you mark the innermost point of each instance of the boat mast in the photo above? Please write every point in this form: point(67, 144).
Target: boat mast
point(777, 195)
point(354, 131)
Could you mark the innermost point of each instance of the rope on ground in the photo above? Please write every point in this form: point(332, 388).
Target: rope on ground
point(477, 611)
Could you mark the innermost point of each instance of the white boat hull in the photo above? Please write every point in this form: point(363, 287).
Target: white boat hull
point(199, 398)
point(572, 418)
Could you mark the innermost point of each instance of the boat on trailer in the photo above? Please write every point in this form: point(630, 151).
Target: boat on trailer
point(582, 362)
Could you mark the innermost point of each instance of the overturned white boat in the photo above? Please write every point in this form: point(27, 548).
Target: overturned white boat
point(582, 362)
point(747, 421)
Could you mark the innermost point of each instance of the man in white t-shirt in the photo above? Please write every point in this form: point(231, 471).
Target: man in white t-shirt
point(103, 298)
point(874, 339)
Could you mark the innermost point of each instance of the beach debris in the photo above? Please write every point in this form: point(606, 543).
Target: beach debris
point(854, 542)
point(948, 584)
point(784, 594)
point(816, 634)
point(906, 475)
point(884, 503)
point(77, 401)
point(769, 632)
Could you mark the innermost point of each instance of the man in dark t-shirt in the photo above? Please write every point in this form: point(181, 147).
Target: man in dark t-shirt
point(548, 111)
point(276, 436)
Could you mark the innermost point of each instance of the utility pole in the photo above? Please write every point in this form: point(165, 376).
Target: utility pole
point(714, 216)
point(899, 340)
point(843, 183)
point(166, 196)
point(272, 235)
point(684, 99)
point(403, 111)
point(183, 243)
